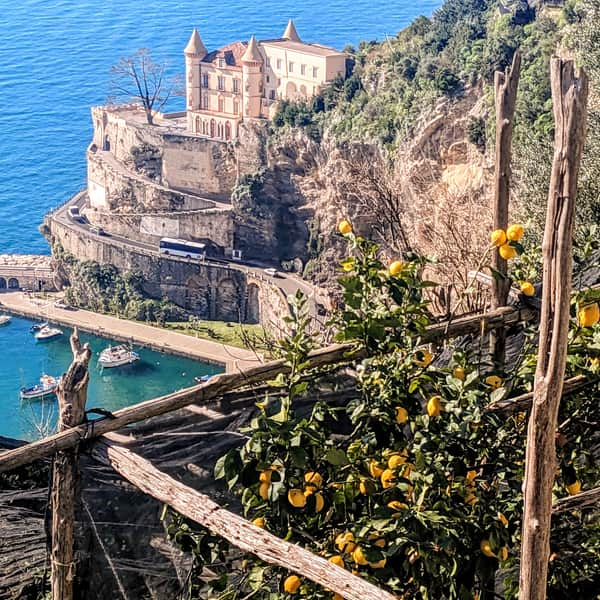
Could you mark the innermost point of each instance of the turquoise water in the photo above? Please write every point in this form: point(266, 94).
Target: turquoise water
point(24, 360)
point(55, 59)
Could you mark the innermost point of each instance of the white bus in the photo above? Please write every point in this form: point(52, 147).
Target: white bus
point(182, 248)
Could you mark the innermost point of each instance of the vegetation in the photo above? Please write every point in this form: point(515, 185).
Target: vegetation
point(407, 480)
point(233, 334)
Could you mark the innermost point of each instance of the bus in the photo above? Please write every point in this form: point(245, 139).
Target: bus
point(183, 248)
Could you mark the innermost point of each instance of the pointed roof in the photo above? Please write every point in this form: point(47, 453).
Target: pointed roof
point(252, 53)
point(290, 32)
point(195, 45)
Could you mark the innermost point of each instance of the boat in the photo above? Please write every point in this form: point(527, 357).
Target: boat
point(37, 326)
point(46, 387)
point(117, 356)
point(5, 319)
point(47, 333)
point(202, 379)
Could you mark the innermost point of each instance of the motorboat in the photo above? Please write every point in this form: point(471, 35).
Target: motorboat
point(37, 326)
point(47, 333)
point(46, 387)
point(202, 379)
point(117, 356)
point(5, 319)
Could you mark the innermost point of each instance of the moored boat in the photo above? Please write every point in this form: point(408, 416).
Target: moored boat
point(117, 356)
point(37, 326)
point(5, 319)
point(47, 333)
point(46, 387)
point(202, 379)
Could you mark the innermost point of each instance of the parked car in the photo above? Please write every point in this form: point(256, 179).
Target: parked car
point(97, 230)
point(272, 272)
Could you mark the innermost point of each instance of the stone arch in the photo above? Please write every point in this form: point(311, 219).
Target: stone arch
point(106, 144)
point(227, 130)
point(291, 91)
point(303, 91)
point(2, 283)
point(13, 283)
point(198, 296)
point(228, 301)
point(252, 304)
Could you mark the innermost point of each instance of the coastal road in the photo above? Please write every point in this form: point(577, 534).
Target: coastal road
point(286, 282)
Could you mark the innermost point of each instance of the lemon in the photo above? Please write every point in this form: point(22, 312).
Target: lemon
point(376, 540)
point(365, 487)
point(344, 227)
point(486, 548)
point(459, 373)
point(319, 502)
point(434, 406)
point(388, 478)
point(401, 415)
point(265, 476)
point(313, 478)
point(589, 315)
point(494, 381)
point(259, 522)
point(503, 553)
point(397, 505)
point(507, 252)
point(527, 288)
point(515, 232)
point(338, 560)
point(423, 358)
point(471, 475)
point(345, 542)
point(359, 556)
point(498, 237)
point(503, 519)
point(574, 488)
point(291, 584)
point(263, 490)
point(396, 267)
point(395, 460)
point(297, 498)
point(379, 564)
point(374, 469)
point(337, 597)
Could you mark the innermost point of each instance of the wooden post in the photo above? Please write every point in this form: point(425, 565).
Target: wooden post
point(569, 94)
point(505, 86)
point(72, 394)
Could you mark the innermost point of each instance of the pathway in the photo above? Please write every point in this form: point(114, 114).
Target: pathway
point(130, 331)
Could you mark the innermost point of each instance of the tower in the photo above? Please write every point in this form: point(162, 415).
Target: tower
point(290, 32)
point(194, 53)
point(252, 79)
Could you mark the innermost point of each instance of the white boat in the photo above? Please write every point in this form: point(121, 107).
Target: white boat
point(37, 326)
point(47, 333)
point(5, 319)
point(117, 356)
point(46, 387)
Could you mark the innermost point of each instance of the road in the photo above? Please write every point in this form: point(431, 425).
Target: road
point(286, 282)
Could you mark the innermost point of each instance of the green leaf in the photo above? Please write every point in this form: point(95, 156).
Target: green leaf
point(336, 457)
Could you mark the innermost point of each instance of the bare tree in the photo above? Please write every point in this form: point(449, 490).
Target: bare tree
point(139, 78)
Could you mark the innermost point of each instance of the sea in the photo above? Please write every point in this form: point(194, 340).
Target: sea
point(55, 61)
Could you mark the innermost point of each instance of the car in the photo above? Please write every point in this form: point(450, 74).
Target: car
point(60, 304)
point(97, 230)
point(271, 272)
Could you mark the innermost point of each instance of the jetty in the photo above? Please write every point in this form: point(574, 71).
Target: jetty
point(142, 334)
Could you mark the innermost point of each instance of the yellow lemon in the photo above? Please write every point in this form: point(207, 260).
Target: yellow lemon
point(434, 406)
point(401, 415)
point(376, 540)
point(459, 373)
point(471, 475)
point(498, 237)
point(503, 519)
point(259, 522)
point(265, 476)
point(344, 227)
point(365, 487)
point(423, 358)
point(359, 556)
point(396, 267)
point(297, 498)
point(589, 315)
point(486, 548)
point(388, 478)
point(263, 490)
point(515, 232)
point(338, 560)
point(395, 460)
point(527, 288)
point(397, 505)
point(379, 564)
point(314, 479)
point(319, 502)
point(374, 469)
point(507, 252)
point(494, 381)
point(345, 542)
point(337, 597)
point(503, 553)
point(574, 488)
point(292, 584)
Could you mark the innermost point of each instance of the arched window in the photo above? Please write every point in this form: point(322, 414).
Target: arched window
point(212, 128)
point(220, 130)
point(227, 131)
point(236, 107)
point(204, 127)
point(197, 127)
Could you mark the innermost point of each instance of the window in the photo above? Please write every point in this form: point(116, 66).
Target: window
point(204, 80)
point(272, 94)
point(268, 79)
point(279, 63)
point(303, 69)
point(221, 83)
point(315, 72)
point(236, 107)
point(278, 82)
point(268, 62)
point(221, 105)
point(236, 86)
point(221, 63)
point(205, 102)
point(291, 67)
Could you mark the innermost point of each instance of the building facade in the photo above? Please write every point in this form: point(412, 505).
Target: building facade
point(244, 80)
